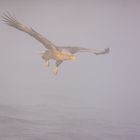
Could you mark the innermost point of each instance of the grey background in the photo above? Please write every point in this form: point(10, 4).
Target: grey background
point(108, 85)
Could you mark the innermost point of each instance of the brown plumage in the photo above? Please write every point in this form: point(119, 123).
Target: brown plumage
point(58, 53)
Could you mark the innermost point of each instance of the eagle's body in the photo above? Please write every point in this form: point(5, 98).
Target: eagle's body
point(58, 53)
point(61, 55)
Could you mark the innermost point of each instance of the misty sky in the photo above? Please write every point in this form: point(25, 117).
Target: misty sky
point(109, 82)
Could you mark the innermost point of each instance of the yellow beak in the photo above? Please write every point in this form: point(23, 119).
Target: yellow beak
point(72, 57)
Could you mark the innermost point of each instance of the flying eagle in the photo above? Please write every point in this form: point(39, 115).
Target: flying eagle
point(58, 53)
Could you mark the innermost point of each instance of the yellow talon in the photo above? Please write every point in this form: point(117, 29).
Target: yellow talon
point(55, 71)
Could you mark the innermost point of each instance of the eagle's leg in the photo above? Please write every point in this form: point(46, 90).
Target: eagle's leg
point(55, 70)
point(46, 64)
point(46, 56)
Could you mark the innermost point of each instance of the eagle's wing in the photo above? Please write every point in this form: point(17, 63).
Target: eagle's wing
point(12, 21)
point(74, 50)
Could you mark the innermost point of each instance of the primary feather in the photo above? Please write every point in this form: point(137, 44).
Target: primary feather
point(12, 21)
point(74, 50)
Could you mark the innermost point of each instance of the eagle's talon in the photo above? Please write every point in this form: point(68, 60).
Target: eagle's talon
point(55, 71)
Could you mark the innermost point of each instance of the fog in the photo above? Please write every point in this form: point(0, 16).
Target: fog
point(105, 86)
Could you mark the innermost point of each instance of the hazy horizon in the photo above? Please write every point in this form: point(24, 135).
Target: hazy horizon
point(108, 83)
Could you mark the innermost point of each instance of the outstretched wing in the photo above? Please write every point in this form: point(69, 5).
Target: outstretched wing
point(74, 50)
point(12, 21)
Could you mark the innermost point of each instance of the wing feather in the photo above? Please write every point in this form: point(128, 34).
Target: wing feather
point(74, 50)
point(12, 21)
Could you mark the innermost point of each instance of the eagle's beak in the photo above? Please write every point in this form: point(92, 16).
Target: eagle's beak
point(72, 57)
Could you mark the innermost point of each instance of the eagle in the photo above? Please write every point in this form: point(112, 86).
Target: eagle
point(57, 53)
